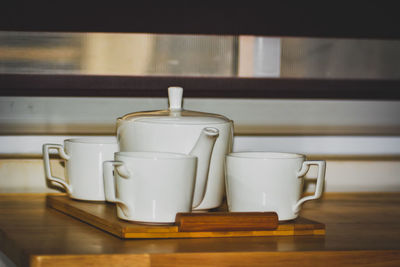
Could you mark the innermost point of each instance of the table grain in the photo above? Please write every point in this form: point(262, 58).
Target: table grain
point(361, 229)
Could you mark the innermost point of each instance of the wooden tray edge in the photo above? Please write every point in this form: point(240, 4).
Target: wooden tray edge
point(52, 201)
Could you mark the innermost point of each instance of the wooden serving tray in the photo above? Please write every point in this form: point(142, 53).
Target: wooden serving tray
point(103, 215)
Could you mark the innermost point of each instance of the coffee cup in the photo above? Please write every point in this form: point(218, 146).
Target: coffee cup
point(269, 181)
point(83, 165)
point(150, 187)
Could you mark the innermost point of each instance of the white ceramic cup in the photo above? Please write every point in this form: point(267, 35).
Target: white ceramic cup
point(83, 167)
point(269, 181)
point(150, 187)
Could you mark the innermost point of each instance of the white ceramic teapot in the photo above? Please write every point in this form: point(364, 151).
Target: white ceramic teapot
point(183, 131)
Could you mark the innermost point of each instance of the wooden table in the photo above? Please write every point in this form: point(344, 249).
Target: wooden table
point(361, 229)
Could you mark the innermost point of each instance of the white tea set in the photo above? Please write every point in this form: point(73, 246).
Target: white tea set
point(175, 160)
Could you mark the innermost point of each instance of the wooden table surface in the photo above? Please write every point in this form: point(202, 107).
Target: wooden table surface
point(361, 229)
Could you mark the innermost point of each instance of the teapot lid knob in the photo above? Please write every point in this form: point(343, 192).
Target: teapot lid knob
point(175, 97)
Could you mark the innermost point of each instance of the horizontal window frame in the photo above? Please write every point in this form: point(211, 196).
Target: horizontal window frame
point(372, 19)
point(213, 87)
point(333, 147)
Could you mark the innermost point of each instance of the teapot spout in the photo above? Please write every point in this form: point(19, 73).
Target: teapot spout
point(203, 150)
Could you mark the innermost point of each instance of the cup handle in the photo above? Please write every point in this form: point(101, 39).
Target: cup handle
point(47, 168)
point(320, 181)
point(109, 182)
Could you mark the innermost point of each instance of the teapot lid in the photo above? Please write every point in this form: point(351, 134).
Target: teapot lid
point(175, 114)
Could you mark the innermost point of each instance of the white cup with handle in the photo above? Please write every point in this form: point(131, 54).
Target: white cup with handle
point(83, 165)
point(269, 181)
point(150, 187)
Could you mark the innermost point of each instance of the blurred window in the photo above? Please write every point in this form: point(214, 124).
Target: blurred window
point(198, 55)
